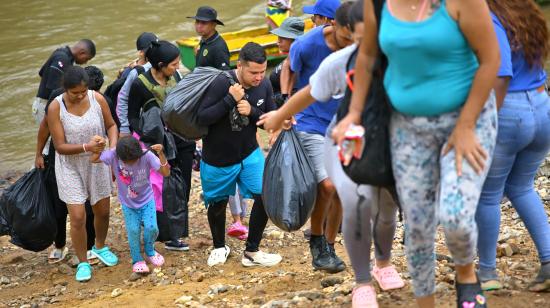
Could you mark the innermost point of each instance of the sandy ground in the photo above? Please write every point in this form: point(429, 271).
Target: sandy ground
point(27, 280)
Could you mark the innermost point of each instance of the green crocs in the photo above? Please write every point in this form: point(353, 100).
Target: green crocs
point(105, 255)
point(83, 272)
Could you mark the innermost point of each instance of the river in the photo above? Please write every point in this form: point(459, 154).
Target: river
point(30, 30)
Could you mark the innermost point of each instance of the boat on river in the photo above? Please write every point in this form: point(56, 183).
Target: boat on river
point(235, 41)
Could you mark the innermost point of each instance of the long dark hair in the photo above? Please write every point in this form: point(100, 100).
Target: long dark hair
point(525, 28)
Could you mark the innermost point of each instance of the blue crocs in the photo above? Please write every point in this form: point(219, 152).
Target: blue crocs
point(83, 272)
point(105, 255)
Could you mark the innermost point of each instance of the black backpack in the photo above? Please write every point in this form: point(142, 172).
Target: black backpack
point(374, 167)
point(114, 88)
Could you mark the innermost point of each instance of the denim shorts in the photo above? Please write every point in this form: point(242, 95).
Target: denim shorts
point(314, 145)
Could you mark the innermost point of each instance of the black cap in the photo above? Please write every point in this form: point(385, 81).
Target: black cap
point(206, 13)
point(145, 39)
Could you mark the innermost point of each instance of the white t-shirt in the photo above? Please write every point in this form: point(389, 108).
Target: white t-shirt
point(329, 81)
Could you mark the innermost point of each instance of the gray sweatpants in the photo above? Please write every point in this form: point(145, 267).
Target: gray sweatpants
point(361, 205)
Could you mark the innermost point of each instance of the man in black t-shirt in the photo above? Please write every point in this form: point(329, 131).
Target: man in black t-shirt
point(52, 71)
point(230, 108)
point(212, 49)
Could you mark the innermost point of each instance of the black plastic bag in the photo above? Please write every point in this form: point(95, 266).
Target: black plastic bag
point(150, 123)
point(173, 218)
point(289, 183)
point(169, 143)
point(180, 109)
point(27, 212)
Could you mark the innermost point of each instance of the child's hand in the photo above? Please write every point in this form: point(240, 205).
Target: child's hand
point(98, 139)
point(157, 148)
point(96, 145)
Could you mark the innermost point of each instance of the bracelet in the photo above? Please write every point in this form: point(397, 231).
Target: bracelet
point(164, 165)
point(84, 147)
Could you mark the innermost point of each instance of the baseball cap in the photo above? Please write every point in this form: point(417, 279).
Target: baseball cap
point(325, 8)
point(145, 39)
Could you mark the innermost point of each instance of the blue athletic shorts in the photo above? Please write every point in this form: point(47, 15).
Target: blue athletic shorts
point(219, 183)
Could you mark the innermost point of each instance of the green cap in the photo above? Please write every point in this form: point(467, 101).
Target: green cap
point(291, 28)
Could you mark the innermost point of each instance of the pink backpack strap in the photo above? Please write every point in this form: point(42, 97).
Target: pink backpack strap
point(422, 10)
point(388, 2)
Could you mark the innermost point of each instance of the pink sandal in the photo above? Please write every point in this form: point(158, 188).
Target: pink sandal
point(364, 297)
point(243, 237)
point(157, 260)
point(387, 277)
point(140, 267)
point(236, 230)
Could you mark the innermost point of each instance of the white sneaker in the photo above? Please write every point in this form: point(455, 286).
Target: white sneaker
point(57, 255)
point(260, 258)
point(218, 256)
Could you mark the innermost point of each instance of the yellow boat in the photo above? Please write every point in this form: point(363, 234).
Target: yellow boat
point(235, 41)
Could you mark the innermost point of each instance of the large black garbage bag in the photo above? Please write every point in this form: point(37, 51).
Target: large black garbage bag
point(27, 213)
point(289, 184)
point(171, 221)
point(180, 109)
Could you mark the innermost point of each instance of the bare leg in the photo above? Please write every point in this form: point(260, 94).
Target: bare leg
point(236, 219)
point(325, 191)
point(334, 219)
point(101, 221)
point(466, 273)
point(77, 214)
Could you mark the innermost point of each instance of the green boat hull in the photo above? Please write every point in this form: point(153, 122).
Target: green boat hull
point(188, 58)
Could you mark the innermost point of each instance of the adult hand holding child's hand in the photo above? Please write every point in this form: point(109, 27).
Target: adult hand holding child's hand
point(96, 144)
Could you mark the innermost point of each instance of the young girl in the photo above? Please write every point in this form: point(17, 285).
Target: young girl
point(131, 166)
point(238, 207)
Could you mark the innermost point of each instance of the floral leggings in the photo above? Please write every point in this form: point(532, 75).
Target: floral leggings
point(431, 192)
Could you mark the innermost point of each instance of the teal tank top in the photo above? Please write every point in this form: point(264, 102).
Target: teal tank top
point(430, 64)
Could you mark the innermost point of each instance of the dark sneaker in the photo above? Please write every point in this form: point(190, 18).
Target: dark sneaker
point(176, 245)
point(542, 281)
point(470, 295)
point(321, 257)
point(340, 265)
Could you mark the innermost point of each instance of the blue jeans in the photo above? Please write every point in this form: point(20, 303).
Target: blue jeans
point(522, 143)
point(134, 219)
